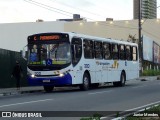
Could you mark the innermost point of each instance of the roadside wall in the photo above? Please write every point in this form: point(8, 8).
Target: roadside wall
point(7, 62)
point(13, 36)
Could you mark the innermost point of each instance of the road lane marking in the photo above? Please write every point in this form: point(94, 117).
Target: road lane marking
point(100, 92)
point(25, 103)
point(133, 109)
point(140, 86)
point(143, 106)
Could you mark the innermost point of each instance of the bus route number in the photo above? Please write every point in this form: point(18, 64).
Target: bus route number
point(86, 66)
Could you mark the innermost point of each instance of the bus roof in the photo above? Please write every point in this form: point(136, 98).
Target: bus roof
point(100, 38)
point(74, 34)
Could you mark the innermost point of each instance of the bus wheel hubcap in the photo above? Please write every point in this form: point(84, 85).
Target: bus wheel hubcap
point(86, 81)
point(123, 79)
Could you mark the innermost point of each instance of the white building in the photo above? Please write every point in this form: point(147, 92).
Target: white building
point(13, 36)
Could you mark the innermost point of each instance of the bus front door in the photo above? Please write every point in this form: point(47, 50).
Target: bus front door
point(98, 72)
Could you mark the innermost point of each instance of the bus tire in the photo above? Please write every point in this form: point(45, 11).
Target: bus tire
point(86, 82)
point(121, 82)
point(122, 79)
point(48, 88)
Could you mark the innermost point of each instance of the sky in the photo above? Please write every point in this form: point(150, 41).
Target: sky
point(49, 10)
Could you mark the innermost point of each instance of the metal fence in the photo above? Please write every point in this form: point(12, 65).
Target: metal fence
point(7, 62)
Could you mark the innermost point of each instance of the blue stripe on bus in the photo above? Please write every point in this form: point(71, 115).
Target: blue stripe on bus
point(54, 81)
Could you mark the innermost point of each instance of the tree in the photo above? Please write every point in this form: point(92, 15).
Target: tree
point(132, 38)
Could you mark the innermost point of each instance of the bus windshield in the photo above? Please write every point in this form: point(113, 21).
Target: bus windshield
point(49, 54)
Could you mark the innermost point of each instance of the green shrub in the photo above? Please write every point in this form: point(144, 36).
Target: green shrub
point(151, 72)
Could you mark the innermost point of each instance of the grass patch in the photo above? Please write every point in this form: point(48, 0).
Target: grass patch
point(95, 117)
point(151, 114)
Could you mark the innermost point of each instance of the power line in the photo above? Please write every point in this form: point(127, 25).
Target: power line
point(86, 11)
point(48, 7)
point(151, 34)
point(60, 12)
point(70, 6)
point(90, 13)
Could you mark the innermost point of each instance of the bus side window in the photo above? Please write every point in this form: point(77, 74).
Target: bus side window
point(106, 51)
point(98, 50)
point(115, 53)
point(128, 53)
point(134, 53)
point(33, 53)
point(122, 54)
point(76, 50)
point(88, 49)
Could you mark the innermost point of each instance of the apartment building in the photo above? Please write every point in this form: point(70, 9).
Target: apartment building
point(148, 9)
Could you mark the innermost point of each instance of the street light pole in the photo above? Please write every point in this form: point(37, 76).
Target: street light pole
point(140, 40)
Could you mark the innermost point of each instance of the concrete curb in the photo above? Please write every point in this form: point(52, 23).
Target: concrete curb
point(19, 92)
point(16, 92)
point(146, 78)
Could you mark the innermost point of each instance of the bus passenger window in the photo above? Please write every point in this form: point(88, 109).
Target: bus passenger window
point(43, 52)
point(122, 52)
point(76, 50)
point(128, 53)
point(98, 50)
point(106, 51)
point(88, 49)
point(115, 51)
point(134, 53)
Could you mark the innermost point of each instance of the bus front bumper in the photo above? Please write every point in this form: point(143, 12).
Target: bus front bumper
point(50, 81)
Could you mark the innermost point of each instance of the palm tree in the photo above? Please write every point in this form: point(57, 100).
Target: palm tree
point(132, 38)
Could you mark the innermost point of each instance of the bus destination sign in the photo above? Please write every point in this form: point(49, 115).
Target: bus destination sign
point(47, 37)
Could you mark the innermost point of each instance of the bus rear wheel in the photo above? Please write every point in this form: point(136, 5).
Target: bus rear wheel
point(86, 82)
point(121, 82)
point(48, 88)
point(122, 79)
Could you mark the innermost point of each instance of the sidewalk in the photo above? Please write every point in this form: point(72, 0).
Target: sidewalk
point(146, 78)
point(31, 89)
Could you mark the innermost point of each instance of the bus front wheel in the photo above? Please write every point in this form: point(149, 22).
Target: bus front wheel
point(86, 82)
point(48, 88)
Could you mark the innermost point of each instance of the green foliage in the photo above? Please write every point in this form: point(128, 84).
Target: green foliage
point(151, 72)
point(117, 115)
point(95, 117)
point(154, 109)
point(134, 118)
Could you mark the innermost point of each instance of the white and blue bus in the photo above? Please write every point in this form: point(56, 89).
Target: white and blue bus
point(71, 59)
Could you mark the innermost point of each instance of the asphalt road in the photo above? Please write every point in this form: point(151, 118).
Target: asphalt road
point(135, 95)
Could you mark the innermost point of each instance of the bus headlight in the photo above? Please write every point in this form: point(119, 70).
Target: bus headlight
point(61, 74)
point(33, 76)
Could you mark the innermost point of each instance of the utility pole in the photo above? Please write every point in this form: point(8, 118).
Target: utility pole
point(140, 40)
